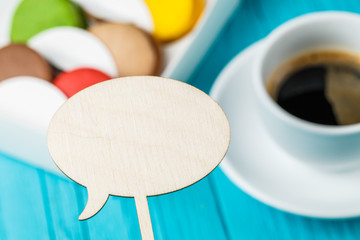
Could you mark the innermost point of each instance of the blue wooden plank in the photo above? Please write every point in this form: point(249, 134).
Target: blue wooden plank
point(61, 201)
point(245, 217)
point(191, 213)
point(248, 218)
point(187, 214)
point(22, 212)
point(116, 220)
point(65, 200)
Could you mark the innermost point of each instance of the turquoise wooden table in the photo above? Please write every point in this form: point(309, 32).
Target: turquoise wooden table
point(38, 205)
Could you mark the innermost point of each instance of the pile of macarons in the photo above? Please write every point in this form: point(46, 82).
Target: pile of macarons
point(75, 44)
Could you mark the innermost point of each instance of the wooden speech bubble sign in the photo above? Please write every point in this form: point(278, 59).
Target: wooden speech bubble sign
point(137, 137)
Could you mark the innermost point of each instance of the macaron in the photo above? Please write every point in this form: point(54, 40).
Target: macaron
point(125, 11)
point(20, 60)
point(33, 16)
point(29, 101)
point(135, 51)
point(69, 48)
point(165, 20)
point(198, 10)
point(74, 81)
point(173, 19)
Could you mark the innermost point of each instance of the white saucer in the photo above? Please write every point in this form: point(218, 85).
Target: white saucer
point(262, 169)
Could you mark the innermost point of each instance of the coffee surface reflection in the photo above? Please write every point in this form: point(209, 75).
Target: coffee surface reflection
point(321, 87)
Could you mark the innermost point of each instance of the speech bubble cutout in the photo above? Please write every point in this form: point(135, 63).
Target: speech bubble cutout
point(137, 137)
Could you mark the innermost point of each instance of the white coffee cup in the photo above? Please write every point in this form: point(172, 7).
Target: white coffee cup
point(328, 147)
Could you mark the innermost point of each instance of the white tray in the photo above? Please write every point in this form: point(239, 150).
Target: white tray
point(27, 144)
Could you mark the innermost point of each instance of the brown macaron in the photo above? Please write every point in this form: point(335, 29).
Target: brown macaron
point(135, 51)
point(20, 60)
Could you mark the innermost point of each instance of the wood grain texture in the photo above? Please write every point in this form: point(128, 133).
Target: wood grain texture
point(137, 137)
point(22, 205)
point(39, 205)
point(62, 215)
point(143, 212)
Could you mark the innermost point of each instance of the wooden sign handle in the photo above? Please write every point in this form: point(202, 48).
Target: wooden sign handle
point(144, 218)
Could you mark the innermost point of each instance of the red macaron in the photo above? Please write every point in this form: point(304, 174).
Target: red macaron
point(76, 80)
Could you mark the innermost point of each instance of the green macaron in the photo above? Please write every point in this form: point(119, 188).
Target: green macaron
point(34, 16)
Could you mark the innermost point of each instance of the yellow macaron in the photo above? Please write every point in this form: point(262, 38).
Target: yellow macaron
point(166, 20)
point(173, 19)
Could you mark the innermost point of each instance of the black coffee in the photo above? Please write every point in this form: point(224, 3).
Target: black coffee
point(320, 87)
